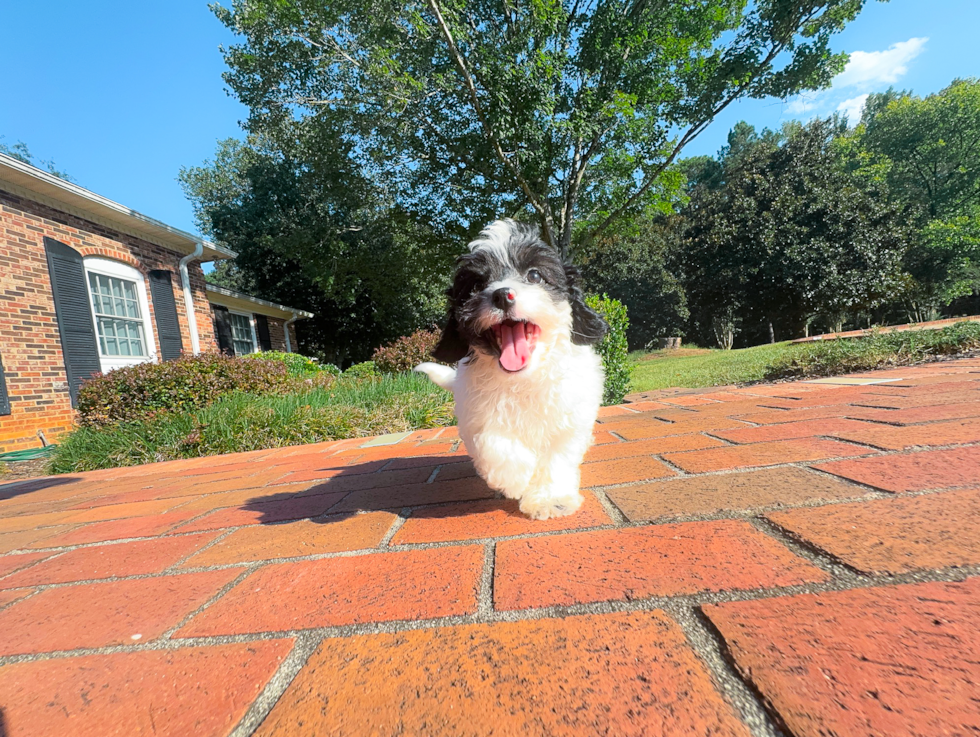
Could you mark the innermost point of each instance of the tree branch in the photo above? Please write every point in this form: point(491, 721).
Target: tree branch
point(691, 134)
point(544, 213)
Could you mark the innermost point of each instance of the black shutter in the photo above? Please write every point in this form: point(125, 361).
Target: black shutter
point(165, 310)
point(222, 329)
point(262, 330)
point(74, 311)
point(4, 397)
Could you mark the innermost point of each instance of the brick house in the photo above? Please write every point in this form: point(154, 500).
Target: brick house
point(88, 285)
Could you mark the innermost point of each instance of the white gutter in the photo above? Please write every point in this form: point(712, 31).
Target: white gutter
point(185, 280)
point(285, 328)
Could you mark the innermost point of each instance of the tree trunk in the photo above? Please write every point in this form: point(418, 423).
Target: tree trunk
point(772, 333)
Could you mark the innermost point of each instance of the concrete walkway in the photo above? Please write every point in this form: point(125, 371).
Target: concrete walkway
point(781, 559)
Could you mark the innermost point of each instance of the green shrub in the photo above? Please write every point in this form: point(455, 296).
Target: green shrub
point(406, 353)
point(613, 348)
point(831, 357)
point(330, 368)
point(189, 382)
point(296, 364)
point(243, 422)
point(363, 370)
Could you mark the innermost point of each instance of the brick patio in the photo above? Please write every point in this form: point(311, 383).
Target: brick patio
point(779, 559)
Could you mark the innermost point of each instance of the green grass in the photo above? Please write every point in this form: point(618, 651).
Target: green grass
point(785, 360)
point(242, 422)
point(832, 357)
point(712, 368)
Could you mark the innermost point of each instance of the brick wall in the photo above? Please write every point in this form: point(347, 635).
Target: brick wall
point(30, 344)
point(278, 335)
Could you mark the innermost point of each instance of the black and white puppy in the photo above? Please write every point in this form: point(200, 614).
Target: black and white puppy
point(527, 385)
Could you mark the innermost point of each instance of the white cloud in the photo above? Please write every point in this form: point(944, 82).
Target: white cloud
point(868, 71)
point(880, 67)
point(853, 108)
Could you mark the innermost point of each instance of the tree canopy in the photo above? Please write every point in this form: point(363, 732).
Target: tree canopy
point(572, 112)
point(312, 236)
point(926, 150)
point(790, 235)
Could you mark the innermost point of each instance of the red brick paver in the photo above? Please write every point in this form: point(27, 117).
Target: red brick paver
point(422, 584)
point(806, 554)
point(894, 535)
point(633, 564)
point(544, 677)
point(938, 469)
point(763, 454)
point(717, 493)
point(201, 691)
point(901, 660)
point(99, 614)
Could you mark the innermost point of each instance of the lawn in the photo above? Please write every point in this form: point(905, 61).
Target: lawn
point(704, 367)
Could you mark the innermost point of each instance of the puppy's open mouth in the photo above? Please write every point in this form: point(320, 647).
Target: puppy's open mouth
point(515, 340)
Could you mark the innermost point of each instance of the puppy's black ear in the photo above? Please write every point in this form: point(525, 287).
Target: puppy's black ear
point(451, 346)
point(588, 327)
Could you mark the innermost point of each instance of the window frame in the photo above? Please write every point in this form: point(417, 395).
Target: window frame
point(125, 272)
point(251, 324)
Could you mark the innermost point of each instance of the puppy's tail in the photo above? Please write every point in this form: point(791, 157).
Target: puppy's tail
point(440, 375)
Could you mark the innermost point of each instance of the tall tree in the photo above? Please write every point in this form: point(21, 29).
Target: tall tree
point(572, 111)
point(927, 151)
point(313, 236)
point(632, 264)
point(932, 148)
point(790, 235)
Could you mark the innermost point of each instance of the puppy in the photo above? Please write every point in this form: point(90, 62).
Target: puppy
point(527, 385)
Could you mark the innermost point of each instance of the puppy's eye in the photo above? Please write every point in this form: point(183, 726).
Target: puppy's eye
point(533, 276)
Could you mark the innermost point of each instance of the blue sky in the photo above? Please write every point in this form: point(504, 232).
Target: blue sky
point(121, 95)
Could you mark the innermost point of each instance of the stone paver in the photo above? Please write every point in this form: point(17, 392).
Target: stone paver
point(802, 557)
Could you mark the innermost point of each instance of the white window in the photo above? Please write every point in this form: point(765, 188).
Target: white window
point(242, 333)
point(121, 313)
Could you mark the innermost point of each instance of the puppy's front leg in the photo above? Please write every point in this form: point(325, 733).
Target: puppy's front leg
point(554, 491)
point(504, 463)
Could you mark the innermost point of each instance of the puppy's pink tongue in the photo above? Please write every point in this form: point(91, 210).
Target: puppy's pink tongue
point(514, 350)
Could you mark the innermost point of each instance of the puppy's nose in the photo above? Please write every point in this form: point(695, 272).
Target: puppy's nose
point(503, 298)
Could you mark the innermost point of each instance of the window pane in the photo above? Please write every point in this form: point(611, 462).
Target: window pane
point(120, 337)
point(112, 296)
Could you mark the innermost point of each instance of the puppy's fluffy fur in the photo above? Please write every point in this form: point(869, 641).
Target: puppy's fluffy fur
point(527, 385)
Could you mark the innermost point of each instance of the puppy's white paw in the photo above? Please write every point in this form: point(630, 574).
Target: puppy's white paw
point(547, 507)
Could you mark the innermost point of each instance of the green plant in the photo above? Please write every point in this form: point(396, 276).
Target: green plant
point(406, 353)
point(330, 368)
point(613, 348)
point(296, 364)
point(243, 422)
point(189, 382)
point(363, 370)
point(830, 357)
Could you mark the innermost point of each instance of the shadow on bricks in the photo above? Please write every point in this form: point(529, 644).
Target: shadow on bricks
point(364, 488)
point(19, 488)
